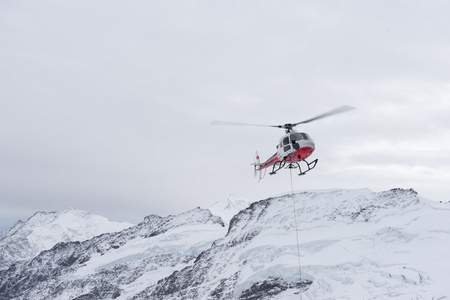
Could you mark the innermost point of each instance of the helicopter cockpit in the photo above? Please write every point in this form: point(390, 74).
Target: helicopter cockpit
point(293, 140)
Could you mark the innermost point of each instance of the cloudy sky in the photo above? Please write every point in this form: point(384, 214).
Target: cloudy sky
point(106, 106)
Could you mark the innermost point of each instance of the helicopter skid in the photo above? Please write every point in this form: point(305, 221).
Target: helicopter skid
point(284, 164)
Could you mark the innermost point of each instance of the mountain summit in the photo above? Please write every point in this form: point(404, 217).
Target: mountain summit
point(44, 230)
point(226, 210)
point(353, 244)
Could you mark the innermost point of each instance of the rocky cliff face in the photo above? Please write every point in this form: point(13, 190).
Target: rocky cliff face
point(352, 244)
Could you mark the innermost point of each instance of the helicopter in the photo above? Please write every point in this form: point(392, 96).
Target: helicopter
point(293, 148)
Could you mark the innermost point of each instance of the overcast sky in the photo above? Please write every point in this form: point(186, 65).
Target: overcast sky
point(106, 105)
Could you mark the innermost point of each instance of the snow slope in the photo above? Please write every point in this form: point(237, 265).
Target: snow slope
point(45, 229)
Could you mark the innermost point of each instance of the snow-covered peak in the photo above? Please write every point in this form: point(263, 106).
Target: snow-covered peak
point(228, 208)
point(43, 230)
point(71, 225)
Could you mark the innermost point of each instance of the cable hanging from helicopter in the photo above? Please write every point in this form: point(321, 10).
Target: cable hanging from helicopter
point(293, 149)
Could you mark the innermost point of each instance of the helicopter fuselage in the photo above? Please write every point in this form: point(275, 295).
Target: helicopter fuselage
point(293, 147)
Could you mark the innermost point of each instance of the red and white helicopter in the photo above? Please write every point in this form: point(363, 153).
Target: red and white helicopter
point(294, 147)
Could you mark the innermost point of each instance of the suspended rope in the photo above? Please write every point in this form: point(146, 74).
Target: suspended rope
point(296, 234)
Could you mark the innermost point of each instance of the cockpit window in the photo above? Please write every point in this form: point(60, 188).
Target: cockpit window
point(286, 140)
point(300, 136)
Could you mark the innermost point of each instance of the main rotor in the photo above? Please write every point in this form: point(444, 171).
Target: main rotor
point(289, 126)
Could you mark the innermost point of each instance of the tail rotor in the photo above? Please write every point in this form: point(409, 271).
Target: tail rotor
point(257, 164)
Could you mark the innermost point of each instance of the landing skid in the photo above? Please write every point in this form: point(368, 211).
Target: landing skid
point(283, 164)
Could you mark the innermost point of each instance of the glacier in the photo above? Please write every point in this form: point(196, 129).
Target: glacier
point(353, 244)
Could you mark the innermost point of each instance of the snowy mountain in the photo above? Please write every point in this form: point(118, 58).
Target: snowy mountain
point(44, 230)
point(353, 244)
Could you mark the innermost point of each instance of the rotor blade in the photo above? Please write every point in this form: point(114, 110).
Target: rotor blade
point(239, 124)
point(335, 111)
